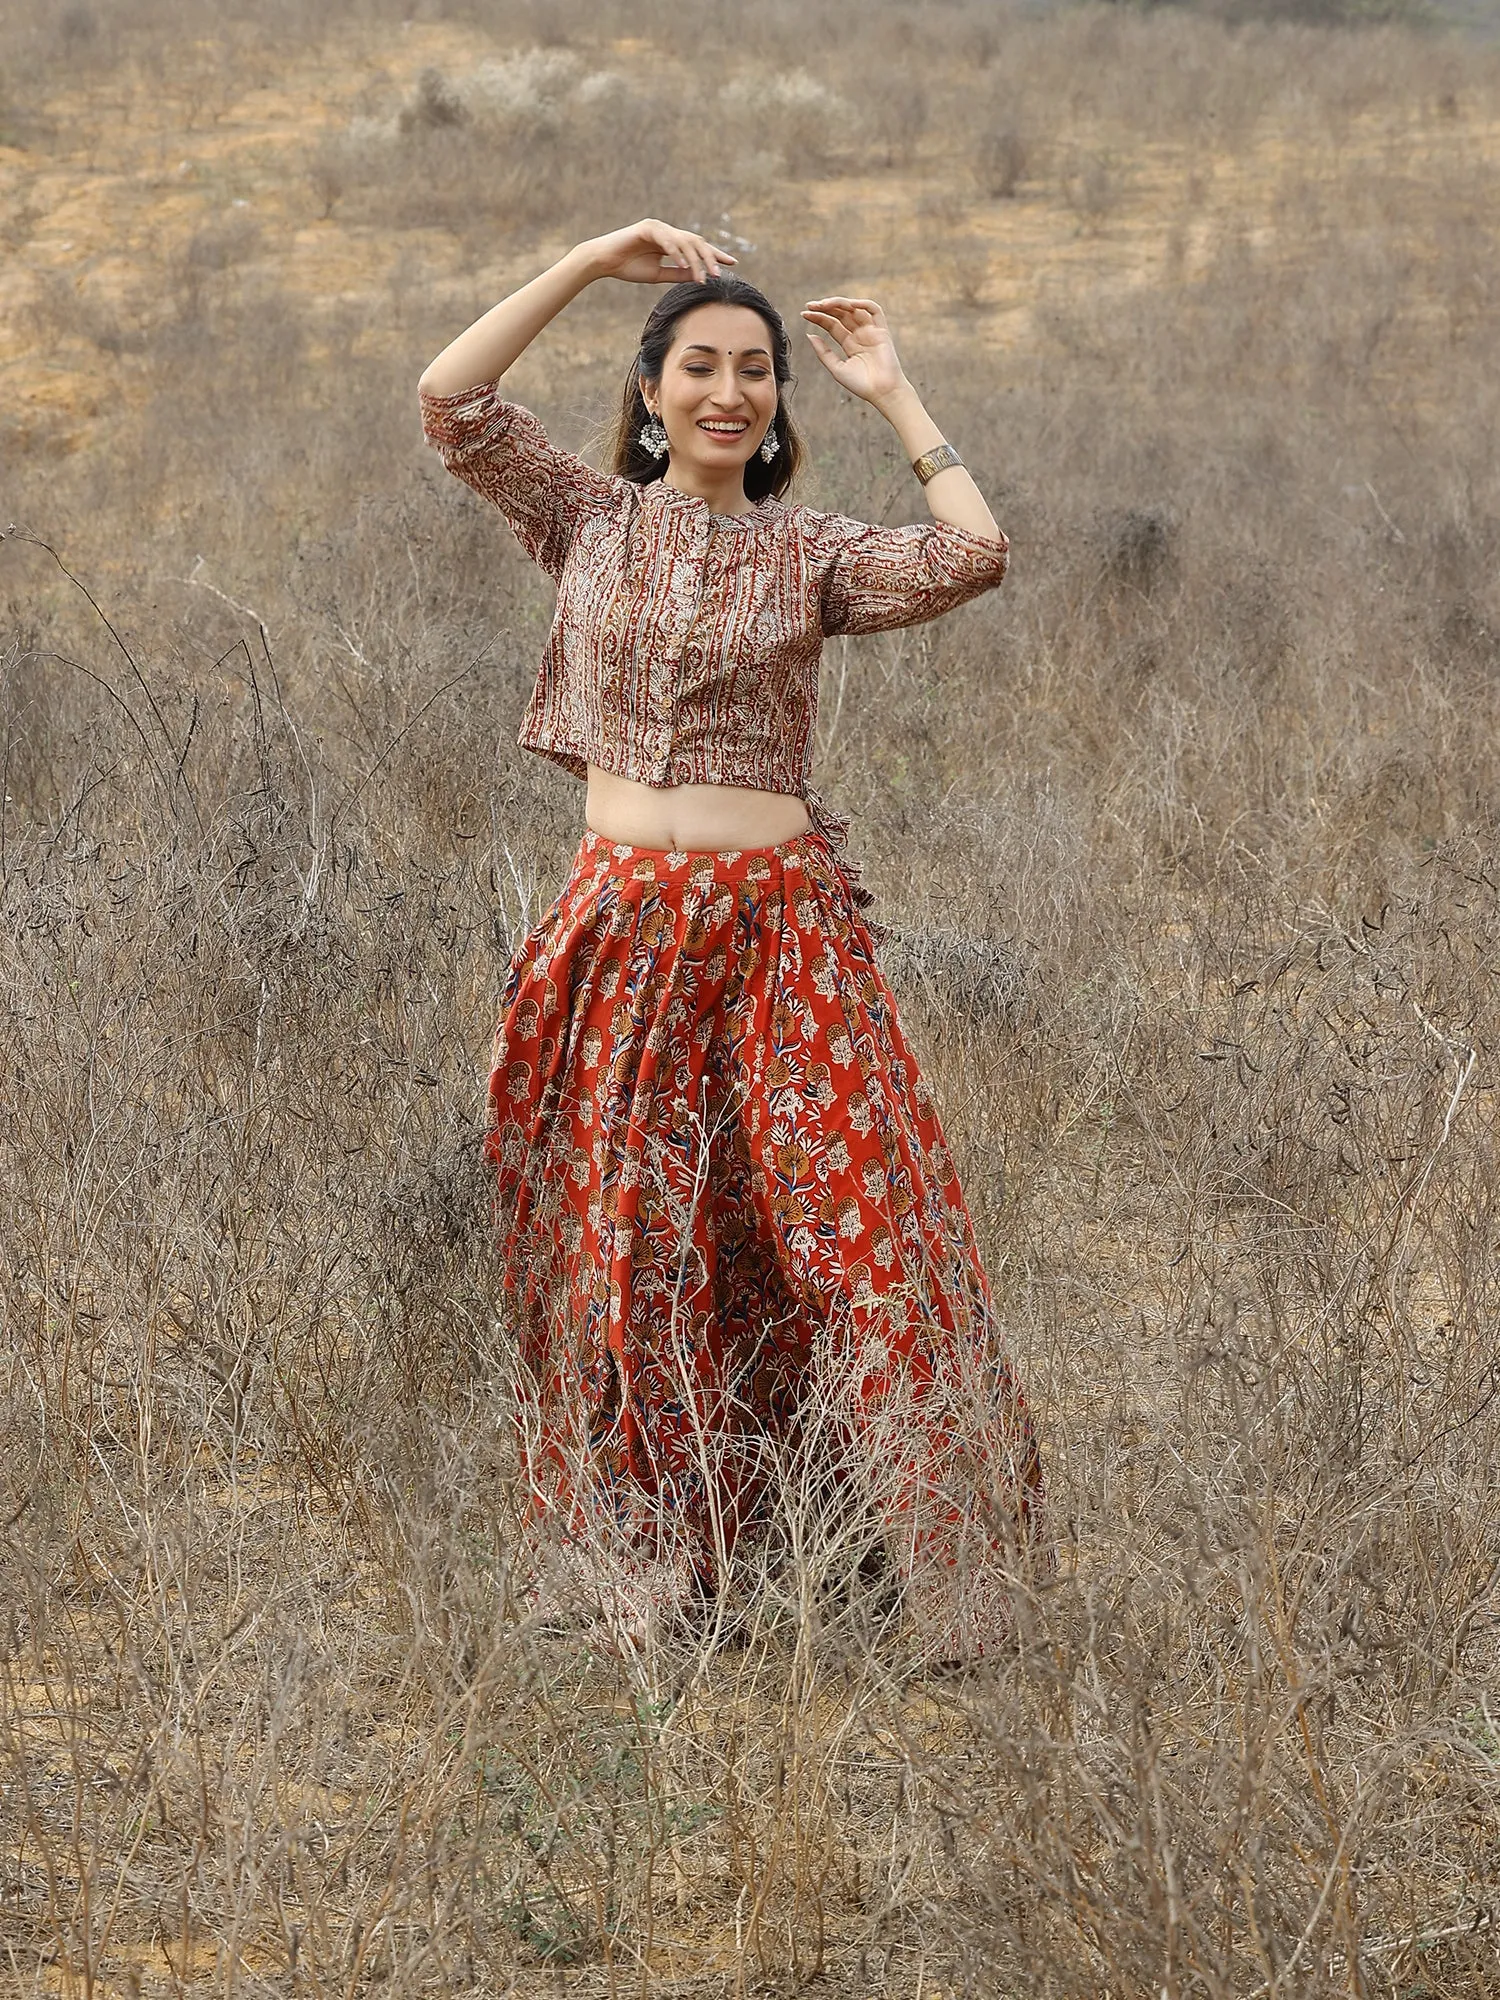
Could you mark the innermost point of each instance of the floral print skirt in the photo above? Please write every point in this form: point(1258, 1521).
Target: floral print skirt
point(732, 1234)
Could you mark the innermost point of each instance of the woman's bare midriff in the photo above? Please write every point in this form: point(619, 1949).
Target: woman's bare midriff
point(691, 819)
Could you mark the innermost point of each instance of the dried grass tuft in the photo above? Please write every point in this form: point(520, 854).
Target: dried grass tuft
point(1189, 841)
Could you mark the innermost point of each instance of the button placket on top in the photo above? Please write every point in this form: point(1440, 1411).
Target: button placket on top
point(678, 536)
point(679, 769)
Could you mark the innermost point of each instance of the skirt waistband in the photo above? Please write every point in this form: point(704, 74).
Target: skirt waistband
point(727, 864)
point(821, 850)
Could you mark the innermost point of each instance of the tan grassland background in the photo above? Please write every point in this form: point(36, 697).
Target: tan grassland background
point(1189, 836)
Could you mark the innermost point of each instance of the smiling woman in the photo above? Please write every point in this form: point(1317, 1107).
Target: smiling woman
point(714, 388)
point(703, 393)
point(729, 1215)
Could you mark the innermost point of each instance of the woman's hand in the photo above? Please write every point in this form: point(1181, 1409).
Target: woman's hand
point(655, 253)
point(647, 253)
point(865, 362)
point(864, 359)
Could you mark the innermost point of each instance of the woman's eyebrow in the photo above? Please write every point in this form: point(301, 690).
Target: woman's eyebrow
point(702, 347)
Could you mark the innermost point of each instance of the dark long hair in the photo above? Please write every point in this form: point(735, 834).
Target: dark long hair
point(629, 456)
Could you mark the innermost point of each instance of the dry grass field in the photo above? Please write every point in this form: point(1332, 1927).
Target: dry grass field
point(1189, 836)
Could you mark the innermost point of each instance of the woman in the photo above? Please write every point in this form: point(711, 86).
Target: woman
point(730, 1218)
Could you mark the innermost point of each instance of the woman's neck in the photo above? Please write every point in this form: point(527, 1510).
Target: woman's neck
point(720, 496)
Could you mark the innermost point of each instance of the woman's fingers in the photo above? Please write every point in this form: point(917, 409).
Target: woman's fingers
point(678, 251)
point(837, 333)
point(826, 351)
point(846, 334)
point(851, 308)
point(653, 252)
point(834, 359)
point(684, 254)
point(683, 249)
point(850, 324)
point(845, 322)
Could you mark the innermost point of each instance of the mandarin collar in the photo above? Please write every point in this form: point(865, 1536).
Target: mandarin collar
point(658, 493)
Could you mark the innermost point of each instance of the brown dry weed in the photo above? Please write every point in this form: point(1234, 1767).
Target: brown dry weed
point(1189, 840)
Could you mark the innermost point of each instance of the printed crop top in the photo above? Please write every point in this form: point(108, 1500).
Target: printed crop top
point(685, 645)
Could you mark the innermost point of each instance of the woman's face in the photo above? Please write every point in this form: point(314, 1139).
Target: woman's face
point(717, 393)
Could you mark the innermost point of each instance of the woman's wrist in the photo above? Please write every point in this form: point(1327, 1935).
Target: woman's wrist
point(906, 413)
point(899, 403)
point(584, 262)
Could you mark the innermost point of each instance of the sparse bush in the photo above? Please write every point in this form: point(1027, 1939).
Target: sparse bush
point(1138, 548)
point(901, 112)
point(792, 116)
point(1093, 184)
point(76, 25)
point(1188, 839)
point(223, 243)
point(1327, 13)
point(328, 173)
point(434, 107)
point(1001, 162)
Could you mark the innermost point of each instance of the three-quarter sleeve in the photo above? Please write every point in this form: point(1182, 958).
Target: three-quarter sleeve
point(504, 454)
point(873, 579)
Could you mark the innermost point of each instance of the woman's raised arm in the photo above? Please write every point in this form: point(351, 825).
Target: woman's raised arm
point(864, 361)
point(645, 253)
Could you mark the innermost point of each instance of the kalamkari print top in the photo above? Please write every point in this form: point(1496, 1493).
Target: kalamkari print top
point(685, 645)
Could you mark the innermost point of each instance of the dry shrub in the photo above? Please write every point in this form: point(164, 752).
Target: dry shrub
point(1001, 161)
point(1188, 837)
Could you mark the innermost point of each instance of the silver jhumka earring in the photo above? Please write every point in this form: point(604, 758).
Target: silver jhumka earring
point(770, 444)
point(653, 436)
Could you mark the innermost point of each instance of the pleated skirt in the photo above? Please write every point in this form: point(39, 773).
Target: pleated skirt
point(732, 1235)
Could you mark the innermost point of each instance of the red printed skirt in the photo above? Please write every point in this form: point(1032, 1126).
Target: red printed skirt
point(731, 1224)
